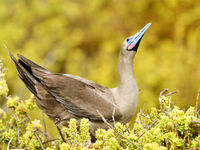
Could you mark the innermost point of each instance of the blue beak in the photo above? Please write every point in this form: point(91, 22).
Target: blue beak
point(135, 39)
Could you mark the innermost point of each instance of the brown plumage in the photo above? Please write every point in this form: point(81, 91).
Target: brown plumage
point(64, 91)
point(64, 96)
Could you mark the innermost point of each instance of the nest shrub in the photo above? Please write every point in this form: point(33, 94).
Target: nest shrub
point(166, 127)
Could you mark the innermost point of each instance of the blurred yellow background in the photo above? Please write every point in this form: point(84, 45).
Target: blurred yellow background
point(83, 38)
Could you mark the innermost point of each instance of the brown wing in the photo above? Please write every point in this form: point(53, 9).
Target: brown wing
point(80, 98)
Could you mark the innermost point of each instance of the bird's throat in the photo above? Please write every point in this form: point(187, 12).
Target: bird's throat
point(126, 74)
point(126, 93)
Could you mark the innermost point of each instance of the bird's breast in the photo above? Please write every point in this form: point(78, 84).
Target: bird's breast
point(127, 102)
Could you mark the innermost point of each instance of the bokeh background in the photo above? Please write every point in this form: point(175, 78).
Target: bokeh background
point(83, 38)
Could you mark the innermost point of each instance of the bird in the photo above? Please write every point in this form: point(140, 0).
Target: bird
point(65, 96)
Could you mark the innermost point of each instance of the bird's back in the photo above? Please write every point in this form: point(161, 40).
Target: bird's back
point(63, 96)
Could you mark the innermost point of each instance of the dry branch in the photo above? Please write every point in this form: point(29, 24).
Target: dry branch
point(110, 126)
point(36, 135)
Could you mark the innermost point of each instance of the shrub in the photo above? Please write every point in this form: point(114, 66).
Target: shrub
point(167, 127)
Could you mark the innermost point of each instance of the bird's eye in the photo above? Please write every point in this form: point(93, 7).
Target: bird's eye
point(128, 40)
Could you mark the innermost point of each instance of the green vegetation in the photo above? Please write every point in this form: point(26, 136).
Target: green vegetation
point(84, 37)
point(167, 127)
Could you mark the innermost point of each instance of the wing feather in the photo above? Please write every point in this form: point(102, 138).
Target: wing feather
point(80, 98)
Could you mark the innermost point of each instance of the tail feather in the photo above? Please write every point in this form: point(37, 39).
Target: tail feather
point(25, 73)
point(45, 100)
point(28, 63)
point(29, 86)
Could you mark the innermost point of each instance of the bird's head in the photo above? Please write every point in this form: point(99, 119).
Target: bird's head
point(131, 43)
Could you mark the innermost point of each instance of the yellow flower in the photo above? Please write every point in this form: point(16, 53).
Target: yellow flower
point(64, 146)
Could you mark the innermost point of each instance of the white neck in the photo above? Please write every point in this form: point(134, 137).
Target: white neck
point(126, 93)
point(125, 69)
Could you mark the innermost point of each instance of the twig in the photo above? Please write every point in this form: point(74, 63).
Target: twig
point(62, 136)
point(50, 140)
point(169, 106)
point(27, 146)
point(101, 144)
point(184, 139)
point(76, 140)
point(127, 127)
point(29, 118)
point(162, 93)
point(140, 117)
point(60, 132)
point(35, 131)
point(197, 99)
point(109, 125)
point(113, 115)
point(166, 143)
point(195, 121)
point(45, 133)
point(170, 93)
point(88, 144)
point(148, 112)
point(152, 125)
point(104, 120)
point(39, 140)
point(166, 114)
point(18, 133)
point(8, 147)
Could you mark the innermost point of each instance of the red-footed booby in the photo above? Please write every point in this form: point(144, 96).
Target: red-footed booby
point(64, 96)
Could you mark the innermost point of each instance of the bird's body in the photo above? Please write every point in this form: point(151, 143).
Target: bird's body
point(64, 96)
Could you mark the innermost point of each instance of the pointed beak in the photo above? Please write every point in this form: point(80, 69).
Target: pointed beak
point(137, 38)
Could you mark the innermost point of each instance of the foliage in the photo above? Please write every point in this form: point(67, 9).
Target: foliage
point(162, 128)
point(83, 38)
